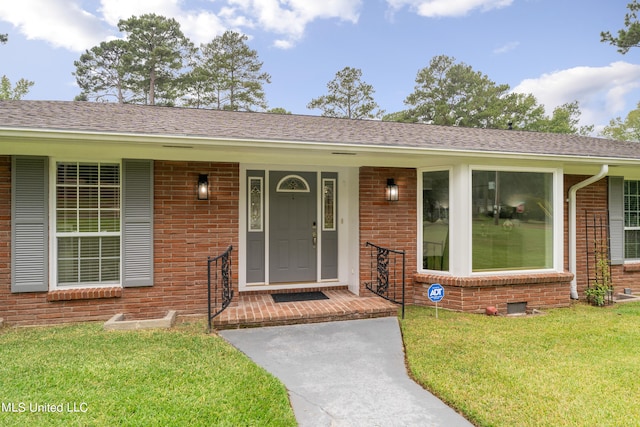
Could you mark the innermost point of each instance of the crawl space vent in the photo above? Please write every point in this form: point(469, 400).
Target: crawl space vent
point(516, 308)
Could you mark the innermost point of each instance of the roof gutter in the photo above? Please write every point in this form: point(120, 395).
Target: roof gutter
point(572, 225)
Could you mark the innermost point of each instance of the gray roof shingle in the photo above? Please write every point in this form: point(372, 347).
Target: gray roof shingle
point(216, 124)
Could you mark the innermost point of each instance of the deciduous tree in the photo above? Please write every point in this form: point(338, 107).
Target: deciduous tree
point(564, 119)
point(348, 97)
point(624, 130)
point(453, 94)
point(22, 86)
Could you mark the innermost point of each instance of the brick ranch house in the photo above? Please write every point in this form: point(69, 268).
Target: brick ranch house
point(99, 208)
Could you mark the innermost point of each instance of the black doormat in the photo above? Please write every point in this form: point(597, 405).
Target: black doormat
point(299, 296)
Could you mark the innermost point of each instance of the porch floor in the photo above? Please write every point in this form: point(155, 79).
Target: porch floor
point(260, 310)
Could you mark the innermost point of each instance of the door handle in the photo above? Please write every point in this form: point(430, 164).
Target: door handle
point(314, 235)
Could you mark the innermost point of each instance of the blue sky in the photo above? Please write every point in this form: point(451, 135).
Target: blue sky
point(550, 48)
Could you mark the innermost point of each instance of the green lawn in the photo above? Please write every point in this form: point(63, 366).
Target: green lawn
point(143, 378)
point(569, 367)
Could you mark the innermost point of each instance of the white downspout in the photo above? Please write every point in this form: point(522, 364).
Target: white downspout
point(572, 225)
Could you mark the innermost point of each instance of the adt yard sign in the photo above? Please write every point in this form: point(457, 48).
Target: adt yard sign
point(436, 292)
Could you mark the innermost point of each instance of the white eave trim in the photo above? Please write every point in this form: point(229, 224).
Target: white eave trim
point(196, 141)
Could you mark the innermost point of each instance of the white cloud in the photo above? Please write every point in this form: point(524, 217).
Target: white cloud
point(291, 21)
point(62, 23)
point(447, 8)
point(601, 91)
point(283, 44)
point(506, 48)
point(199, 25)
point(115, 10)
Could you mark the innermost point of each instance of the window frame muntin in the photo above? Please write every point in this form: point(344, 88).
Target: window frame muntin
point(307, 188)
point(624, 216)
point(54, 235)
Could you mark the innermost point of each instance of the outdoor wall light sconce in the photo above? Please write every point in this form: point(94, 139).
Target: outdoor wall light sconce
point(391, 190)
point(203, 187)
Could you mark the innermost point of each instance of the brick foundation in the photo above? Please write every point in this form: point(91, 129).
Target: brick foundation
point(474, 294)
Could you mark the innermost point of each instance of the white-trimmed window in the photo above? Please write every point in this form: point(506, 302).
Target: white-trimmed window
point(434, 223)
point(484, 219)
point(632, 220)
point(87, 223)
point(512, 220)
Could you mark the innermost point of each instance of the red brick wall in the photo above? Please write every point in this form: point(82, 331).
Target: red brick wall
point(186, 231)
point(389, 224)
point(594, 198)
point(627, 276)
point(474, 294)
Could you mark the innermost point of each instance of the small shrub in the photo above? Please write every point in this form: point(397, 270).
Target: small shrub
point(601, 286)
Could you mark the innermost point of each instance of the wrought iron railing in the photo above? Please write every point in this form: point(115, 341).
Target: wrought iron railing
point(219, 284)
point(387, 274)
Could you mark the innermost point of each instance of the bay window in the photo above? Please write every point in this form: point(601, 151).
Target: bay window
point(476, 219)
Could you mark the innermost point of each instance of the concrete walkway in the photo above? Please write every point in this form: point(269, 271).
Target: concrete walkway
point(348, 373)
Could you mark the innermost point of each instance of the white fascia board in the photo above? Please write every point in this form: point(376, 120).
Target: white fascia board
point(21, 135)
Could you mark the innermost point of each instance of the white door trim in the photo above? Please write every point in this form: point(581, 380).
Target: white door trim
point(347, 217)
